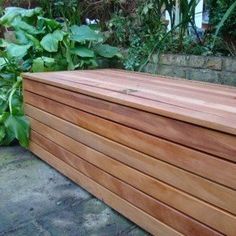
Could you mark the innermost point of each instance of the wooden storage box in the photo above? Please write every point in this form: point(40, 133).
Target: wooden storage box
point(162, 152)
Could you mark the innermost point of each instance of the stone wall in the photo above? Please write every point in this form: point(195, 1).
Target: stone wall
point(220, 70)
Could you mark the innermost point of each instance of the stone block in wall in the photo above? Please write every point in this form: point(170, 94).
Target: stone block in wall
point(173, 59)
point(151, 68)
point(173, 71)
point(204, 75)
point(220, 70)
point(213, 63)
point(228, 78)
point(196, 61)
point(229, 64)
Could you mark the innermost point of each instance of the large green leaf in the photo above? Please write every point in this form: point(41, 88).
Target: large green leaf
point(85, 33)
point(41, 64)
point(50, 41)
point(107, 51)
point(17, 51)
point(58, 34)
point(17, 104)
point(82, 52)
point(2, 62)
point(19, 126)
point(8, 138)
point(9, 16)
point(3, 43)
point(3, 117)
point(21, 37)
point(50, 23)
point(8, 77)
point(25, 12)
point(34, 41)
point(38, 65)
point(19, 24)
point(2, 133)
point(3, 104)
point(12, 12)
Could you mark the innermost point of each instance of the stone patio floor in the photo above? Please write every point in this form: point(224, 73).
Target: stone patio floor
point(36, 200)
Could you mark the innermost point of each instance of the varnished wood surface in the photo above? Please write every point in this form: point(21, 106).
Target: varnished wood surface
point(196, 162)
point(151, 206)
point(206, 140)
point(206, 190)
point(206, 107)
point(130, 211)
point(164, 149)
point(215, 218)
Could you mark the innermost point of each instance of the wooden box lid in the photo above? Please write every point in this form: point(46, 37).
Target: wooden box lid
point(204, 104)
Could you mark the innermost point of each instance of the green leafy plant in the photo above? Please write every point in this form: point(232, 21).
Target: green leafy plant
point(138, 32)
point(40, 44)
point(231, 11)
point(145, 31)
point(13, 124)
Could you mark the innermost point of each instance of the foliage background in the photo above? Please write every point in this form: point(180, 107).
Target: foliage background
point(35, 43)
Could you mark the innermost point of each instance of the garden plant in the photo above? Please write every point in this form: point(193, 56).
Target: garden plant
point(34, 43)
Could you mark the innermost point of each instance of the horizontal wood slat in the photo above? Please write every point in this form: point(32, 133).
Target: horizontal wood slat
point(216, 143)
point(133, 213)
point(177, 97)
point(182, 84)
point(193, 161)
point(215, 218)
point(160, 151)
point(153, 207)
point(194, 185)
point(77, 82)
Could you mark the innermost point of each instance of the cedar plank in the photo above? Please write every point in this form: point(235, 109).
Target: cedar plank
point(139, 217)
point(216, 218)
point(215, 194)
point(205, 165)
point(213, 142)
point(157, 209)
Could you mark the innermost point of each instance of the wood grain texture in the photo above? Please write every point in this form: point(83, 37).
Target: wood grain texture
point(195, 100)
point(193, 207)
point(78, 81)
point(213, 93)
point(139, 217)
point(167, 95)
point(215, 194)
point(206, 140)
point(160, 211)
point(196, 162)
point(160, 151)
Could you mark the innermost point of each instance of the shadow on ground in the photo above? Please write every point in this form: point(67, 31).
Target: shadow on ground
point(37, 200)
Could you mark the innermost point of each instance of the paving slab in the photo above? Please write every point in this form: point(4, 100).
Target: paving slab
point(35, 199)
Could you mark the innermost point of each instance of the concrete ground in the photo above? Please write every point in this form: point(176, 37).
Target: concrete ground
point(37, 200)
